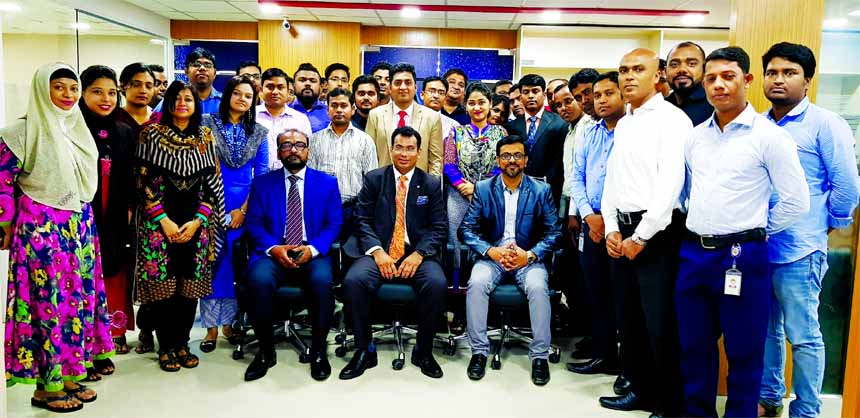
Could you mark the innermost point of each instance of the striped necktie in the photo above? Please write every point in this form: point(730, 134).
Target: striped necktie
point(295, 224)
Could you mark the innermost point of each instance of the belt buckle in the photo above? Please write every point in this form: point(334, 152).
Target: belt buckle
point(626, 219)
point(702, 241)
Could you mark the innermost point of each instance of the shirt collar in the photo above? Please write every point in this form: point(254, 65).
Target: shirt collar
point(297, 105)
point(396, 110)
point(301, 174)
point(539, 114)
point(288, 111)
point(745, 118)
point(214, 93)
point(349, 128)
point(653, 103)
point(795, 112)
point(476, 131)
point(397, 174)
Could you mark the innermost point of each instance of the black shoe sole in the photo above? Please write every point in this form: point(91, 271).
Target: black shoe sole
point(425, 373)
point(475, 376)
point(262, 375)
point(370, 365)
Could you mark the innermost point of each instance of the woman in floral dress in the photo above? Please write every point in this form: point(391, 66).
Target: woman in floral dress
point(57, 321)
point(180, 221)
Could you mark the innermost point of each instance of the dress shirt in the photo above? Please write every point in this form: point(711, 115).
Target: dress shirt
point(347, 157)
point(589, 168)
point(359, 121)
point(300, 184)
point(396, 112)
point(571, 143)
point(288, 119)
point(645, 171)
point(317, 115)
point(826, 150)
point(210, 105)
point(397, 175)
point(539, 115)
point(695, 105)
point(734, 171)
point(448, 125)
point(512, 198)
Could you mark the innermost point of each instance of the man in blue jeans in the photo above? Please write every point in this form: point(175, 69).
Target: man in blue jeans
point(798, 254)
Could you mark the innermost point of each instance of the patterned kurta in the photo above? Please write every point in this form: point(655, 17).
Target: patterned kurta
point(57, 320)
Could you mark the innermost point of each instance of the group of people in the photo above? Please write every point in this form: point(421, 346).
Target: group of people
point(691, 216)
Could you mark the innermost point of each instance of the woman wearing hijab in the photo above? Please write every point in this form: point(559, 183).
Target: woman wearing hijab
point(180, 219)
point(113, 199)
point(243, 154)
point(57, 320)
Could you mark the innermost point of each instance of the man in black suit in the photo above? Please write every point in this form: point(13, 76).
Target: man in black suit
point(544, 133)
point(400, 227)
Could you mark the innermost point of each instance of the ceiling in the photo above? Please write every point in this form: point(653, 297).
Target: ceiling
point(49, 18)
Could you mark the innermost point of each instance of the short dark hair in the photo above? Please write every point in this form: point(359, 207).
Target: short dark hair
point(381, 65)
point(533, 80)
point(249, 119)
point(132, 70)
point(169, 106)
point(559, 87)
point(796, 53)
point(661, 64)
point(156, 68)
point(406, 131)
point(732, 54)
point(336, 66)
point(198, 53)
point(501, 83)
point(433, 78)
point(339, 91)
point(402, 67)
point(686, 44)
point(515, 86)
point(95, 72)
point(272, 73)
point(511, 139)
point(479, 88)
point(458, 71)
point(609, 75)
point(364, 79)
point(583, 76)
point(249, 63)
point(293, 131)
point(306, 66)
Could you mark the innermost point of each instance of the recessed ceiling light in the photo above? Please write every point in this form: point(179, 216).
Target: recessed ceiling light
point(10, 7)
point(157, 41)
point(410, 12)
point(835, 23)
point(855, 13)
point(80, 26)
point(270, 8)
point(551, 15)
point(693, 19)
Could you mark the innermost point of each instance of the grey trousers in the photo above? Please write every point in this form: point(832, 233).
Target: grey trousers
point(486, 275)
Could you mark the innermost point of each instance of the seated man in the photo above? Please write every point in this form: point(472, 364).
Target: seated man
point(513, 223)
point(290, 244)
point(400, 227)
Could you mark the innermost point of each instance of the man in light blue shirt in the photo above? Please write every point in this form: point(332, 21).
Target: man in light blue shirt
point(200, 70)
point(586, 189)
point(735, 160)
point(798, 254)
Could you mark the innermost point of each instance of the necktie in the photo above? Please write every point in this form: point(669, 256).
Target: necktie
point(530, 140)
point(402, 122)
point(398, 241)
point(293, 234)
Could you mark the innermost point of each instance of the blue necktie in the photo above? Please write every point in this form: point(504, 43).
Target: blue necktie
point(532, 131)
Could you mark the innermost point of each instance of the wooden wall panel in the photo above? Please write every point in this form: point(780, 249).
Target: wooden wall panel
point(320, 43)
point(851, 383)
point(461, 38)
point(213, 30)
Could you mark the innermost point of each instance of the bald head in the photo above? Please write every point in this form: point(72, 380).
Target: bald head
point(638, 75)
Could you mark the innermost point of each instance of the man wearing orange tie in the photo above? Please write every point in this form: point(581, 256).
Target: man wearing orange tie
point(400, 228)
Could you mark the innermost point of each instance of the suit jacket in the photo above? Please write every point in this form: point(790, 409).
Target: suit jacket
point(267, 211)
point(375, 212)
point(381, 123)
point(537, 227)
point(547, 153)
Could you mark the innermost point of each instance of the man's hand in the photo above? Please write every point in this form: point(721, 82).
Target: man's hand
point(496, 254)
point(305, 257)
point(410, 265)
point(596, 227)
point(515, 258)
point(466, 189)
point(7, 237)
point(630, 249)
point(385, 264)
point(613, 244)
point(279, 254)
point(573, 227)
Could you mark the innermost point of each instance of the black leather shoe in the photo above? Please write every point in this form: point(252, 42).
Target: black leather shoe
point(540, 371)
point(260, 365)
point(621, 386)
point(655, 415)
point(477, 367)
point(628, 402)
point(320, 369)
point(427, 363)
point(361, 361)
point(596, 366)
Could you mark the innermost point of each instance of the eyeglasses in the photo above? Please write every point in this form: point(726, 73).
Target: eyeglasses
point(298, 146)
point(202, 64)
point(405, 150)
point(512, 157)
point(252, 76)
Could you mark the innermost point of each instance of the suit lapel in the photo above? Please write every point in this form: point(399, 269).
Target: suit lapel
point(498, 201)
point(417, 116)
point(388, 126)
point(525, 190)
point(279, 194)
point(309, 200)
point(544, 124)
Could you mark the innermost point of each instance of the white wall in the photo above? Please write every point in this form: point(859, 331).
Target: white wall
point(575, 52)
point(839, 53)
point(706, 44)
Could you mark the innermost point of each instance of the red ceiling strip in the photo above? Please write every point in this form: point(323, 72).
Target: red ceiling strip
point(485, 9)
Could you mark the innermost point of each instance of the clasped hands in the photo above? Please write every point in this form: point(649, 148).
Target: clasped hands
point(616, 247)
point(389, 270)
point(280, 253)
point(510, 257)
point(180, 235)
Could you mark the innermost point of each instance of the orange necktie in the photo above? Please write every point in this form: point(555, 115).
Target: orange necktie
point(398, 241)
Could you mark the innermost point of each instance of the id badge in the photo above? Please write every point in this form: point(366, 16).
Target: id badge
point(733, 282)
point(581, 241)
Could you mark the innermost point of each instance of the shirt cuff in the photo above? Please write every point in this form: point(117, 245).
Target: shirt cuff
point(584, 211)
point(269, 250)
point(372, 249)
point(314, 252)
point(838, 221)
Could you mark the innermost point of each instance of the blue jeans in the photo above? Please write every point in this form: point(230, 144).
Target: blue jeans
point(794, 313)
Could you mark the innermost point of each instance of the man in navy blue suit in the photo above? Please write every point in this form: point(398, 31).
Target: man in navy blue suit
point(291, 244)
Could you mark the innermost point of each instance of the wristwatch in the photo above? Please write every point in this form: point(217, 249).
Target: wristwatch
point(531, 257)
point(638, 240)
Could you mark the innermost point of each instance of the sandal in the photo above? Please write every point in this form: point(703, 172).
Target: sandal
point(186, 359)
point(207, 346)
point(147, 343)
point(92, 375)
point(120, 345)
point(80, 390)
point(46, 404)
point(167, 361)
point(104, 367)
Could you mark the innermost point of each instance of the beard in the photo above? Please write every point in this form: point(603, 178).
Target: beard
point(307, 101)
point(684, 91)
point(294, 164)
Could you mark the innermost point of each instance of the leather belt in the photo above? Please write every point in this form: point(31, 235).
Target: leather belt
point(712, 242)
point(629, 218)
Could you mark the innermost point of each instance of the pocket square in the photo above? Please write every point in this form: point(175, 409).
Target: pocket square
point(422, 200)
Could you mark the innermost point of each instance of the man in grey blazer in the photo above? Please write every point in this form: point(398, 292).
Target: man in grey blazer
point(402, 110)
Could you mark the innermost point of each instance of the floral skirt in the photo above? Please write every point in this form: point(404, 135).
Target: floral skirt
point(57, 319)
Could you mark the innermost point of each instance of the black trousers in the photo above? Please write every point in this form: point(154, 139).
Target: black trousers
point(363, 280)
point(172, 319)
point(595, 269)
point(645, 308)
point(264, 278)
